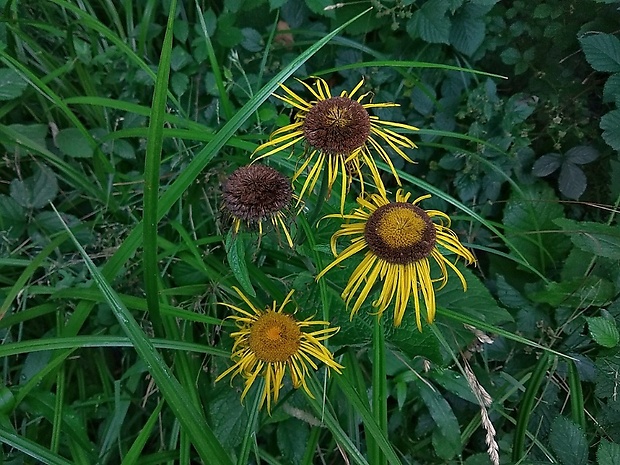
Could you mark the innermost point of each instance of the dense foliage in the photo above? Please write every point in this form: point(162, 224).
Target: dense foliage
point(120, 121)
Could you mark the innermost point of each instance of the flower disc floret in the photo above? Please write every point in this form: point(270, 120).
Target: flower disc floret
point(274, 337)
point(400, 233)
point(338, 126)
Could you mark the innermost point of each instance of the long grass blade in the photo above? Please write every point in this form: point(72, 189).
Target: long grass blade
point(194, 424)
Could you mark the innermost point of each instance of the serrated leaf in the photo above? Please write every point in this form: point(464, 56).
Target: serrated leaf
point(179, 58)
point(528, 218)
point(12, 85)
point(582, 154)
point(611, 90)
point(596, 238)
point(608, 453)
point(603, 331)
point(444, 418)
point(431, 23)
point(73, 143)
point(179, 82)
point(568, 442)
point(252, 40)
point(610, 124)
point(602, 52)
point(476, 302)
point(467, 32)
point(546, 164)
point(577, 293)
point(235, 252)
point(573, 181)
point(37, 190)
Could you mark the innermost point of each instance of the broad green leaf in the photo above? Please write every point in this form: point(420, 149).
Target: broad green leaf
point(579, 293)
point(477, 301)
point(32, 132)
point(611, 90)
point(449, 443)
point(603, 331)
point(572, 181)
point(12, 85)
point(602, 52)
point(467, 32)
point(430, 22)
point(72, 143)
point(608, 453)
point(528, 219)
point(547, 164)
point(235, 251)
point(568, 442)
point(597, 238)
point(581, 154)
point(37, 190)
point(610, 124)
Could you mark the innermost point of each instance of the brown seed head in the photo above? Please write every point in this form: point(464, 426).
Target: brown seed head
point(254, 192)
point(337, 126)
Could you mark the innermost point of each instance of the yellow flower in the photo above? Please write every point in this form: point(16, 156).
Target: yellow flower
point(270, 341)
point(339, 133)
point(255, 193)
point(399, 237)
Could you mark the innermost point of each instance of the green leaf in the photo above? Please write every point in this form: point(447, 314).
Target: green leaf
point(610, 124)
point(579, 293)
point(12, 85)
point(602, 52)
point(603, 331)
point(73, 143)
point(611, 90)
point(582, 154)
point(572, 181)
point(568, 442)
point(235, 251)
point(11, 213)
point(547, 164)
point(467, 32)
point(37, 190)
point(32, 132)
point(449, 442)
point(179, 82)
point(431, 23)
point(597, 238)
point(608, 453)
point(179, 58)
point(528, 218)
point(476, 302)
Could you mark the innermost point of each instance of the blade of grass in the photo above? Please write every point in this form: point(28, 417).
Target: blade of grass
point(20, 283)
point(370, 425)
point(151, 176)
point(250, 429)
point(28, 447)
point(194, 424)
point(526, 406)
point(379, 392)
point(215, 66)
point(578, 411)
point(135, 451)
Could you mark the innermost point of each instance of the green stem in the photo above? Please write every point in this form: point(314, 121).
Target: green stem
point(379, 391)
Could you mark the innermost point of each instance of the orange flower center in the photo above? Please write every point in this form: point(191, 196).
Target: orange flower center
point(275, 337)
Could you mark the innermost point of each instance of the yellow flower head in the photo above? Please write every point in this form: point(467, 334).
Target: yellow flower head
point(255, 193)
point(270, 341)
point(398, 237)
point(340, 133)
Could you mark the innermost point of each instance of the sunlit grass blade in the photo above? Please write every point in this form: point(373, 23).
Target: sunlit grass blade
point(151, 176)
point(176, 396)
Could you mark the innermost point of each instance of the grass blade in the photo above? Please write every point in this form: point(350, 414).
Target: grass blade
point(193, 422)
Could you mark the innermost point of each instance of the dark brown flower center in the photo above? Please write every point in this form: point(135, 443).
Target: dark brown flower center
point(400, 233)
point(254, 192)
point(337, 126)
point(274, 337)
